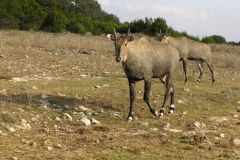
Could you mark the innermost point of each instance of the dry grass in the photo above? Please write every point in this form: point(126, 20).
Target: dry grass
point(55, 72)
point(53, 41)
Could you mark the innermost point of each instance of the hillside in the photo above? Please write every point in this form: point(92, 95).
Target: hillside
point(50, 81)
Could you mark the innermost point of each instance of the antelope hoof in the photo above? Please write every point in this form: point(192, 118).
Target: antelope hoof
point(161, 112)
point(156, 113)
point(129, 119)
point(170, 111)
point(199, 80)
point(213, 82)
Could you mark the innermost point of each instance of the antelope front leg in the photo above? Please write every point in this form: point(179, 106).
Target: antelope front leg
point(132, 97)
point(147, 88)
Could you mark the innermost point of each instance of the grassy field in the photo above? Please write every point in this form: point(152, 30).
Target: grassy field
point(44, 76)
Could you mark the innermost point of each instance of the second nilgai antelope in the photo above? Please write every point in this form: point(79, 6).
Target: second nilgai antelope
point(191, 50)
point(144, 59)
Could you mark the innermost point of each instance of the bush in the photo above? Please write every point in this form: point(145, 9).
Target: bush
point(76, 27)
point(215, 39)
point(55, 22)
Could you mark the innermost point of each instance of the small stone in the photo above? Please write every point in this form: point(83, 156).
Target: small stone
point(97, 87)
point(222, 135)
point(238, 109)
point(46, 130)
point(106, 73)
point(85, 121)
point(94, 121)
point(20, 109)
point(235, 116)
point(58, 119)
point(236, 142)
point(66, 116)
point(34, 87)
point(186, 89)
point(83, 75)
point(84, 109)
point(11, 129)
point(180, 101)
point(175, 130)
point(154, 129)
point(59, 146)
point(25, 141)
point(145, 124)
point(106, 85)
point(195, 125)
point(14, 158)
point(49, 148)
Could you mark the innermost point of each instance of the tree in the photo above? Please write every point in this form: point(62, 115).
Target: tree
point(214, 39)
point(55, 22)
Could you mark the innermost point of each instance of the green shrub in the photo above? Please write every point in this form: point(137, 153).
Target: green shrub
point(55, 22)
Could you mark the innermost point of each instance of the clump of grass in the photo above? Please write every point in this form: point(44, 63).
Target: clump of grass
point(6, 118)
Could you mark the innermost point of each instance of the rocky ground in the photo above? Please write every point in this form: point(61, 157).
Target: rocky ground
point(71, 102)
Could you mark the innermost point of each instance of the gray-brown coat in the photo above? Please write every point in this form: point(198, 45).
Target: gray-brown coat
point(144, 59)
point(191, 50)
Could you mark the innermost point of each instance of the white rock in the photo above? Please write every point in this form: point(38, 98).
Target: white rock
point(154, 129)
point(20, 109)
point(238, 109)
point(66, 116)
point(106, 85)
point(85, 121)
point(175, 130)
point(222, 135)
point(235, 116)
point(59, 146)
point(14, 158)
point(44, 96)
point(25, 125)
point(218, 119)
point(11, 129)
point(106, 72)
point(84, 109)
point(186, 89)
point(83, 75)
point(49, 148)
point(236, 142)
point(34, 87)
point(58, 119)
point(97, 87)
point(94, 121)
point(195, 125)
point(180, 101)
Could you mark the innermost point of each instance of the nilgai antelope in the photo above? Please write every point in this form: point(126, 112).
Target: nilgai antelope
point(191, 50)
point(144, 59)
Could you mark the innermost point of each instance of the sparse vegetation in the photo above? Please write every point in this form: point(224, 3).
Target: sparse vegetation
point(46, 75)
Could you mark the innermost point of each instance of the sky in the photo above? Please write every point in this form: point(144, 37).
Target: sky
point(196, 17)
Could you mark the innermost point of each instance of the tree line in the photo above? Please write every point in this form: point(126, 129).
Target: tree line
point(80, 16)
